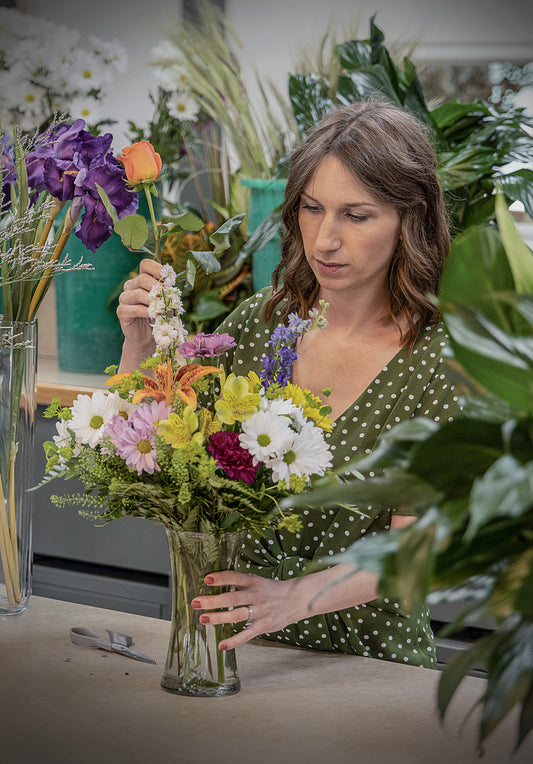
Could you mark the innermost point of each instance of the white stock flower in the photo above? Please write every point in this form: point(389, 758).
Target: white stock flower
point(90, 414)
point(164, 335)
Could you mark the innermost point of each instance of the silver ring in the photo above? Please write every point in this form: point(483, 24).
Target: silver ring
point(250, 616)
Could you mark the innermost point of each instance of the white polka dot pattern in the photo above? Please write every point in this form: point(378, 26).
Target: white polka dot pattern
point(413, 383)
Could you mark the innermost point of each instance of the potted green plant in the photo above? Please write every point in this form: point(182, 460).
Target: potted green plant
point(468, 481)
point(476, 142)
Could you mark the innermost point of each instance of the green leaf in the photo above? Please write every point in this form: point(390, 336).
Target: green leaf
point(208, 306)
point(510, 673)
point(187, 222)
point(456, 454)
point(206, 259)
point(506, 489)
point(457, 669)
point(518, 186)
point(414, 566)
point(518, 253)
point(498, 361)
point(475, 270)
point(221, 237)
point(111, 211)
point(133, 230)
point(526, 719)
point(190, 273)
point(513, 592)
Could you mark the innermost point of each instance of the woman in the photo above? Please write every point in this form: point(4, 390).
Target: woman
point(366, 231)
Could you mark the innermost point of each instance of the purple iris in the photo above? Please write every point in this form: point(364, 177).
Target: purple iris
point(9, 173)
point(70, 163)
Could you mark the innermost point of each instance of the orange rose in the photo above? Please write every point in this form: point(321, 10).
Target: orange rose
point(141, 162)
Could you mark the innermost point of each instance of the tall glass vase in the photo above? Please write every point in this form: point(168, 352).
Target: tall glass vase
point(18, 366)
point(195, 665)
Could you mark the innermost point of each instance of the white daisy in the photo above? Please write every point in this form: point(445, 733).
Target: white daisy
point(183, 106)
point(266, 437)
point(90, 414)
point(308, 454)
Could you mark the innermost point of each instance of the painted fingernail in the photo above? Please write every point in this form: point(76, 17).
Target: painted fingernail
point(209, 580)
point(204, 619)
point(222, 646)
point(196, 604)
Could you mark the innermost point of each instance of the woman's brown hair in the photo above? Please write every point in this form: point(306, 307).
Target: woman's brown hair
point(389, 152)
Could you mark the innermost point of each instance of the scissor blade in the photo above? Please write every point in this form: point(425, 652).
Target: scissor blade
point(131, 653)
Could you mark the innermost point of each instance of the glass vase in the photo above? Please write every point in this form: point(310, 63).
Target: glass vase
point(18, 366)
point(195, 665)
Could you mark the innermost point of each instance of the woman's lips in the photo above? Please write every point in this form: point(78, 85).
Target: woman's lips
point(328, 267)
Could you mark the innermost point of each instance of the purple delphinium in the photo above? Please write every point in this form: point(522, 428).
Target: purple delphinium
point(9, 173)
point(207, 345)
point(231, 457)
point(277, 367)
point(70, 162)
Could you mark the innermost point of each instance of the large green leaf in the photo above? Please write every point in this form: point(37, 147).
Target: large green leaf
point(513, 592)
point(498, 361)
point(510, 675)
point(466, 166)
point(477, 268)
point(518, 253)
point(506, 489)
point(309, 101)
point(452, 457)
point(457, 669)
point(451, 113)
point(518, 185)
point(353, 55)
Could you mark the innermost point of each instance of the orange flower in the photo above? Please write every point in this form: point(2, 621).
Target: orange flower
point(166, 384)
point(141, 162)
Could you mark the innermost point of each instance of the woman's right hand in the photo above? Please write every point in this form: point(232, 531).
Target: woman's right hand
point(132, 313)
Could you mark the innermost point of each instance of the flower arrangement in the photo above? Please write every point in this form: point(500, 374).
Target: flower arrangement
point(44, 71)
point(192, 447)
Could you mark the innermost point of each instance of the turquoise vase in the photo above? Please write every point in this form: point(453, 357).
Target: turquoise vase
point(89, 337)
point(265, 196)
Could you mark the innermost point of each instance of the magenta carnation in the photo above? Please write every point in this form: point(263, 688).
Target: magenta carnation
point(237, 463)
point(207, 345)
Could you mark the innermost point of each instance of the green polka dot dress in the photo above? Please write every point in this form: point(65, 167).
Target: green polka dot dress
point(412, 383)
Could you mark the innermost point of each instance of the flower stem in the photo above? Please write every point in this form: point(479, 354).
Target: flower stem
point(157, 235)
point(46, 278)
point(8, 548)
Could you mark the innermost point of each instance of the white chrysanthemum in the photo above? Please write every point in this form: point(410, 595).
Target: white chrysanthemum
point(308, 454)
point(90, 414)
point(63, 438)
point(183, 106)
point(266, 437)
point(113, 53)
point(284, 407)
point(87, 71)
point(86, 108)
point(121, 405)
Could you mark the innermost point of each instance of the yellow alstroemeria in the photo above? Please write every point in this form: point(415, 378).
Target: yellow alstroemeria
point(236, 402)
point(178, 430)
point(311, 405)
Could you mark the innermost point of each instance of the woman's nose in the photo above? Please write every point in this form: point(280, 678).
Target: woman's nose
point(328, 238)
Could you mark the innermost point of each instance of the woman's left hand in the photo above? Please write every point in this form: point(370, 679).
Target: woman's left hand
point(268, 605)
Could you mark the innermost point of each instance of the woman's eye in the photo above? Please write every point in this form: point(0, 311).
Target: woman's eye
point(309, 207)
point(356, 218)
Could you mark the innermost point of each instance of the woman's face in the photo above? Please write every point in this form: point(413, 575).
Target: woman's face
point(349, 237)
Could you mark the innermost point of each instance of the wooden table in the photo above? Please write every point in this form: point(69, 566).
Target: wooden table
point(62, 703)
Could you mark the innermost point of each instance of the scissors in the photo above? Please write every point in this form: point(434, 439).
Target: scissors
point(117, 643)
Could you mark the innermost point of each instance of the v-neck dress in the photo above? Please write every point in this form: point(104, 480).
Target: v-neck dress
point(413, 383)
